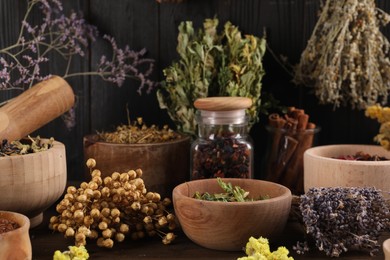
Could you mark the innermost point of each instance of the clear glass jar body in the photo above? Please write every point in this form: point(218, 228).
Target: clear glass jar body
point(223, 148)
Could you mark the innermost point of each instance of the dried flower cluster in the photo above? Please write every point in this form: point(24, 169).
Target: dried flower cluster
point(259, 249)
point(68, 37)
point(112, 208)
point(74, 253)
point(346, 60)
point(21, 147)
point(139, 133)
point(212, 64)
point(341, 219)
point(382, 114)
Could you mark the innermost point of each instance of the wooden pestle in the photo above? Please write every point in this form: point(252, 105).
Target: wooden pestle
point(35, 107)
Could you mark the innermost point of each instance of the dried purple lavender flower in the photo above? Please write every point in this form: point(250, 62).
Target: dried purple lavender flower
point(340, 219)
point(67, 36)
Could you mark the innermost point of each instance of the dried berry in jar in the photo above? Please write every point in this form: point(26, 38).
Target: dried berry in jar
point(223, 148)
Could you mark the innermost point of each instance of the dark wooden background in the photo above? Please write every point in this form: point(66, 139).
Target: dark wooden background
point(145, 23)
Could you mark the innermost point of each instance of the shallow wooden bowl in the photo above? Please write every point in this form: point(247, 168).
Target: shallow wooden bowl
point(31, 183)
point(229, 225)
point(322, 169)
point(15, 244)
point(164, 165)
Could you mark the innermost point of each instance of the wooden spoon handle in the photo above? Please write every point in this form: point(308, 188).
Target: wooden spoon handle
point(35, 107)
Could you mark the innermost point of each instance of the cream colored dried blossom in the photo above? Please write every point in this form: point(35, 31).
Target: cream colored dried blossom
point(346, 58)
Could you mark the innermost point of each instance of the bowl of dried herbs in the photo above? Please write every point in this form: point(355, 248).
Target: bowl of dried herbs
point(223, 214)
point(33, 176)
point(162, 154)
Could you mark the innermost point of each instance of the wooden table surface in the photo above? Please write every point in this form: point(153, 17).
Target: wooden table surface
point(45, 242)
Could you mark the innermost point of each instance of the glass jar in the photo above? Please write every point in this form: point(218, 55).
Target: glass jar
point(223, 147)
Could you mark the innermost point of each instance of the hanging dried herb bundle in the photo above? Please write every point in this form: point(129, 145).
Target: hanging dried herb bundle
point(212, 64)
point(346, 60)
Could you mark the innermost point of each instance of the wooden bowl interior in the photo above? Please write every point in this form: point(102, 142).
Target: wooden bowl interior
point(21, 220)
point(331, 152)
point(256, 188)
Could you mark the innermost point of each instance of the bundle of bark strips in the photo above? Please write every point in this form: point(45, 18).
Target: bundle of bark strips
point(292, 134)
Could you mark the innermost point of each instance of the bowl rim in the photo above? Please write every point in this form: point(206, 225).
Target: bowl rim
point(90, 139)
point(22, 220)
point(285, 195)
point(312, 152)
point(56, 146)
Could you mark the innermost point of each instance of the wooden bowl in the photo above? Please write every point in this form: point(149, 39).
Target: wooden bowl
point(31, 183)
point(229, 225)
point(164, 165)
point(322, 169)
point(386, 248)
point(15, 244)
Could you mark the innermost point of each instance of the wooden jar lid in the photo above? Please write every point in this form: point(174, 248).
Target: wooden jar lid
point(222, 103)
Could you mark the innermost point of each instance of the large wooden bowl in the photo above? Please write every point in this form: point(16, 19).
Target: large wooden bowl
point(229, 225)
point(164, 164)
point(31, 183)
point(322, 169)
point(15, 244)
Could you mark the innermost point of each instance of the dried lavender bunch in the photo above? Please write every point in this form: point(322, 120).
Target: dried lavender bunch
point(342, 219)
point(67, 36)
point(346, 60)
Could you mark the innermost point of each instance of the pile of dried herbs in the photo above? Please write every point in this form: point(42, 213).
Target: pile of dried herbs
point(20, 147)
point(342, 219)
point(139, 133)
point(231, 194)
point(212, 64)
point(346, 60)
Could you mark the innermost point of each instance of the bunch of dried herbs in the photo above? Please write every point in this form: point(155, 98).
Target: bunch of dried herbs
point(212, 64)
point(139, 133)
point(20, 147)
point(231, 194)
point(346, 60)
point(340, 219)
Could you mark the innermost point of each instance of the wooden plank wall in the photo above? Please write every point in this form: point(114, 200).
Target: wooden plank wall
point(145, 23)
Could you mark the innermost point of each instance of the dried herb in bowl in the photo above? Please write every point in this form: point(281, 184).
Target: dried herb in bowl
point(20, 147)
point(139, 133)
point(231, 194)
